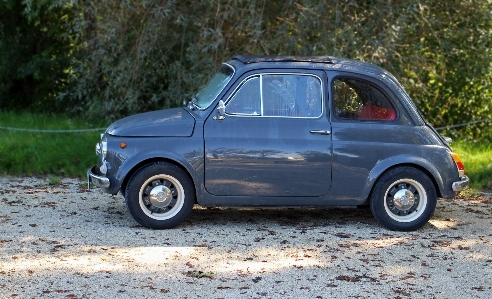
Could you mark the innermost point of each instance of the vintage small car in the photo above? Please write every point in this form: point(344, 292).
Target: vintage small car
point(283, 131)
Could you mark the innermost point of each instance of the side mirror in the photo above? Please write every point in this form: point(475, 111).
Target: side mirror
point(220, 111)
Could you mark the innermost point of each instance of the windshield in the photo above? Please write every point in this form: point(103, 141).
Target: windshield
point(207, 95)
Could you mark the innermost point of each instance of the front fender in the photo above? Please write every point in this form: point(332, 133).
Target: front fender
point(184, 152)
point(134, 163)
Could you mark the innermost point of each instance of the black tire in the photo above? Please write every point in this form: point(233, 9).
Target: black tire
point(403, 199)
point(160, 195)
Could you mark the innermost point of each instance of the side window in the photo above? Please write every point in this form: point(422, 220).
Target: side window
point(282, 95)
point(246, 100)
point(358, 99)
point(291, 95)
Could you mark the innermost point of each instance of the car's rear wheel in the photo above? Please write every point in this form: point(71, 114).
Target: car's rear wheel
point(403, 199)
point(160, 195)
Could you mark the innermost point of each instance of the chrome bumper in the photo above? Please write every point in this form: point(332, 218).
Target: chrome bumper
point(98, 180)
point(461, 185)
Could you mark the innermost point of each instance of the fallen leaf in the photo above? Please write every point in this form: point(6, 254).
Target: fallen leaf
point(199, 274)
point(347, 278)
point(343, 235)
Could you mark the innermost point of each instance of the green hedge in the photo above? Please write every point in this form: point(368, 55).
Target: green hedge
point(129, 56)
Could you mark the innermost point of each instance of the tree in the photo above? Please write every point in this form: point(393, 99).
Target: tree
point(35, 49)
point(111, 58)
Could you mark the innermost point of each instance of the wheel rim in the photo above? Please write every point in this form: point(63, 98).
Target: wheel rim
point(405, 200)
point(161, 197)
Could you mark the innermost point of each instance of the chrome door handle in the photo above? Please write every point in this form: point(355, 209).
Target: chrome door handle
point(321, 132)
point(219, 117)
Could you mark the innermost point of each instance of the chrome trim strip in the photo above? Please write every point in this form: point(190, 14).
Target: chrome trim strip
point(233, 69)
point(261, 94)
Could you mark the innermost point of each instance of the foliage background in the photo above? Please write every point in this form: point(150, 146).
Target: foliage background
point(111, 58)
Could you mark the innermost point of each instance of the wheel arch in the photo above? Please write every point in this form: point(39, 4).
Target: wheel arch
point(420, 164)
point(155, 160)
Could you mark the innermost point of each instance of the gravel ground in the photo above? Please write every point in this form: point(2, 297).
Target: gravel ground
point(67, 242)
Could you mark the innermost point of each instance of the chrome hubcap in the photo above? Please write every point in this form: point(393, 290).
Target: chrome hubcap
point(404, 199)
point(161, 196)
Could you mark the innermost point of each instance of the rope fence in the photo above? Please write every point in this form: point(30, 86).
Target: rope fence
point(99, 129)
point(51, 131)
point(464, 124)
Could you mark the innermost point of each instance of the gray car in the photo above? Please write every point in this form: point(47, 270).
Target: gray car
point(283, 131)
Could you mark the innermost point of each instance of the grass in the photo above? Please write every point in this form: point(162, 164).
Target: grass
point(70, 154)
point(37, 153)
point(477, 158)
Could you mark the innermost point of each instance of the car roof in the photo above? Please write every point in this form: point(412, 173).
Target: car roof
point(327, 62)
point(261, 58)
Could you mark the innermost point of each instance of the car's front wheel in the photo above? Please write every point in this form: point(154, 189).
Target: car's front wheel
point(160, 195)
point(403, 199)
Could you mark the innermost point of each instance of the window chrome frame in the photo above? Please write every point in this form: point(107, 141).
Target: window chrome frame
point(260, 75)
point(235, 92)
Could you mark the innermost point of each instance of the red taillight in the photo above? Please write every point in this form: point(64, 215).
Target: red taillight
point(461, 167)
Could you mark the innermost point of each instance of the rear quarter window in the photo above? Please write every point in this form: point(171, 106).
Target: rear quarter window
point(355, 99)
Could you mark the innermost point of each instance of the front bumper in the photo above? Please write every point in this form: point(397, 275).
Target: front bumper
point(99, 180)
point(461, 185)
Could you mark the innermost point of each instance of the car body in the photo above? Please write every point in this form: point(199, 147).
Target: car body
point(283, 131)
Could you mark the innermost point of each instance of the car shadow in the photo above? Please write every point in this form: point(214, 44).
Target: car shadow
point(297, 217)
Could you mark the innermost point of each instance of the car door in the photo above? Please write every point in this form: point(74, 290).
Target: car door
point(274, 138)
point(367, 128)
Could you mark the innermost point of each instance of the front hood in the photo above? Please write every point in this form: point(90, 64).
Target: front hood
point(175, 122)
